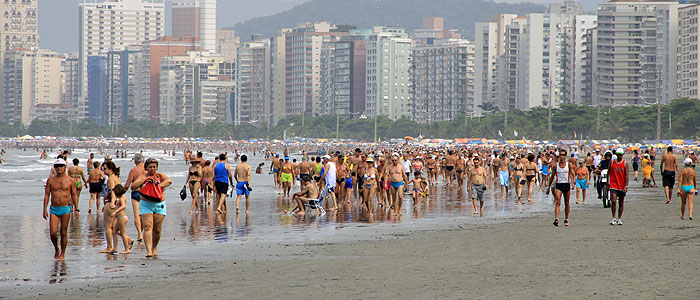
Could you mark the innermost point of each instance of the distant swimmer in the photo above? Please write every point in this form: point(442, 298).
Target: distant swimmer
point(60, 191)
point(242, 174)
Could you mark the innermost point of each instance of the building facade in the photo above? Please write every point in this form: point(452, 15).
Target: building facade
point(196, 19)
point(253, 83)
point(388, 79)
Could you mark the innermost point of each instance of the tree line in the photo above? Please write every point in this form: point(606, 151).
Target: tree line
point(679, 119)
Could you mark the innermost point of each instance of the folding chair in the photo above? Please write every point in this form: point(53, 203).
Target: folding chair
point(317, 204)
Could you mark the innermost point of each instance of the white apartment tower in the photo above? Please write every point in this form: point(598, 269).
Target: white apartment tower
point(689, 31)
point(636, 52)
point(196, 19)
point(489, 44)
point(112, 25)
point(388, 82)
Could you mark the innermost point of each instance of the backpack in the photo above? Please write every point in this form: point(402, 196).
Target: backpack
point(151, 190)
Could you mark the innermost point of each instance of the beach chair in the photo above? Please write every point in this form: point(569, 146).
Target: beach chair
point(317, 204)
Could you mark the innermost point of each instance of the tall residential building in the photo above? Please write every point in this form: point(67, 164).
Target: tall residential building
point(148, 88)
point(96, 89)
point(443, 80)
point(279, 75)
point(227, 43)
point(18, 30)
point(343, 73)
point(32, 77)
point(71, 82)
point(253, 79)
point(181, 81)
point(112, 25)
point(687, 73)
point(433, 29)
point(302, 64)
point(122, 75)
point(587, 87)
point(489, 44)
point(635, 48)
point(388, 80)
point(578, 47)
point(196, 19)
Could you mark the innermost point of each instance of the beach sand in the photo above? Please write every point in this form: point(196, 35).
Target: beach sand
point(653, 255)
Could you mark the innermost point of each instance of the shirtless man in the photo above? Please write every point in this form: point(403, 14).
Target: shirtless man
point(669, 167)
point(78, 176)
point(136, 172)
point(61, 192)
point(397, 179)
point(275, 167)
point(242, 176)
point(305, 169)
point(342, 175)
point(95, 179)
point(355, 161)
point(460, 168)
point(308, 191)
point(432, 173)
point(449, 168)
point(504, 175)
point(479, 184)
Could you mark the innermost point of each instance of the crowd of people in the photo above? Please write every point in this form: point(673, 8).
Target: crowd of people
point(372, 179)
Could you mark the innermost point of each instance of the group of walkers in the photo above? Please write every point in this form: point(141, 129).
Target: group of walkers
point(376, 180)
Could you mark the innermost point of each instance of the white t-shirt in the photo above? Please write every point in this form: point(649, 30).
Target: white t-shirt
point(330, 175)
point(406, 166)
point(596, 160)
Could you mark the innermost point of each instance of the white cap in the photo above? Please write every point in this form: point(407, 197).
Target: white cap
point(395, 154)
point(688, 161)
point(326, 156)
point(620, 151)
point(59, 161)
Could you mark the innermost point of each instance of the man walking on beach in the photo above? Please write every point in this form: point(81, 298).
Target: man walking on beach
point(479, 184)
point(242, 175)
point(61, 192)
point(136, 172)
point(669, 167)
point(222, 179)
point(619, 178)
point(396, 178)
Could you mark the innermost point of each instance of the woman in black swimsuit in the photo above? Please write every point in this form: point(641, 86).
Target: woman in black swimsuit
point(194, 179)
point(530, 175)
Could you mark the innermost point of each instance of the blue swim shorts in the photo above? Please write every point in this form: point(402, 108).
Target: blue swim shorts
point(60, 210)
point(503, 178)
point(242, 189)
point(149, 207)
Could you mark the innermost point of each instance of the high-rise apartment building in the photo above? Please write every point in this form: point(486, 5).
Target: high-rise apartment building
point(227, 43)
point(636, 52)
point(388, 91)
point(71, 82)
point(122, 75)
point(443, 80)
point(279, 75)
point(343, 71)
point(303, 66)
point(112, 25)
point(253, 78)
point(149, 79)
point(687, 73)
point(196, 19)
point(578, 51)
point(489, 44)
point(18, 30)
point(32, 77)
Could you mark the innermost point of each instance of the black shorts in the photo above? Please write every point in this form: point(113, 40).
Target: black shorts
point(669, 178)
point(635, 167)
point(221, 187)
point(620, 194)
point(95, 188)
point(449, 168)
point(564, 187)
point(590, 169)
point(305, 177)
point(317, 178)
point(136, 195)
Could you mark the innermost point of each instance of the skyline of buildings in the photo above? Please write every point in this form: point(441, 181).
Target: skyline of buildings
point(628, 53)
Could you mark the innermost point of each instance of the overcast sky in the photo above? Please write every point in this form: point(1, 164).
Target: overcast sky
point(58, 19)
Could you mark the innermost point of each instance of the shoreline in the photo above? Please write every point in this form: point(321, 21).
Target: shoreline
point(652, 256)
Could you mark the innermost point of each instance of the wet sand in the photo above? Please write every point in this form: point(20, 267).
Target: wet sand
point(654, 255)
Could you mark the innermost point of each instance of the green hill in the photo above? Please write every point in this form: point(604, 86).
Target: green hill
point(458, 14)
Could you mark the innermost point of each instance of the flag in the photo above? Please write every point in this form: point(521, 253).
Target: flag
point(499, 133)
point(515, 133)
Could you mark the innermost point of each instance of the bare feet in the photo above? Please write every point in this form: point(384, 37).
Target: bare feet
point(668, 201)
point(237, 210)
point(219, 211)
point(246, 211)
point(108, 250)
point(56, 254)
point(62, 257)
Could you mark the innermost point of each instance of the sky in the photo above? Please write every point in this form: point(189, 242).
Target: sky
point(58, 19)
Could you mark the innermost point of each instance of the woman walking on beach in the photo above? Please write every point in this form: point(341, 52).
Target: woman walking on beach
point(686, 187)
point(582, 177)
point(152, 204)
point(530, 175)
point(194, 180)
point(114, 217)
point(370, 186)
point(564, 174)
point(95, 179)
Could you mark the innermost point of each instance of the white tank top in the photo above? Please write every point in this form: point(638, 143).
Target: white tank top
point(563, 174)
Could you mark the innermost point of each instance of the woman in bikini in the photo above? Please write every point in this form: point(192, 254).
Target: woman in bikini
point(582, 177)
point(114, 215)
point(78, 176)
point(194, 178)
point(530, 175)
point(369, 180)
point(207, 181)
point(686, 187)
point(519, 181)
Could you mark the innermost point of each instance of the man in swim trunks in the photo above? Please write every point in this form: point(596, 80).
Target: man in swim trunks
point(308, 191)
point(430, 164)
point(136, 172)
point(397, 178)
point(275, 167)
point(618, 179)
point(305, 168)
point(286, 176)
point(669, 167)
point(504, 175)
point(242, 176)
point(479, 184)
point(61, 192)
point(222, 180)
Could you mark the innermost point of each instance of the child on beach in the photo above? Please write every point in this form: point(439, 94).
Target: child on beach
point(420, 189)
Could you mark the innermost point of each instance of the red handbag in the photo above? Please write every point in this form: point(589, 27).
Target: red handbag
point(151, 190)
